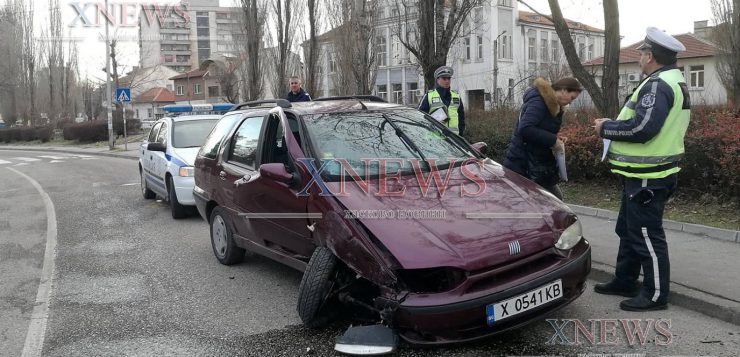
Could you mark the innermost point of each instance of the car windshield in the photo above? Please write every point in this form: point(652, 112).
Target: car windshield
point(362, 138)
point(192, 133)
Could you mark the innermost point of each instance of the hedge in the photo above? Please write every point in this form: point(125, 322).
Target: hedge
point(711, 163)
point(87, 132)
point(42, 133)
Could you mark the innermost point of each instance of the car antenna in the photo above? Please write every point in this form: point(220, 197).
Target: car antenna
point(361, 103)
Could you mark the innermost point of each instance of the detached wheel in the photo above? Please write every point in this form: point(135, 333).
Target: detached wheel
point(145, 191)
point(178, 210)
point(222, 239)
point(316, 285)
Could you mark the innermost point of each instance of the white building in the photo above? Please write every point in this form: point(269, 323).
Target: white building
point(698, 64)
point(190, 36)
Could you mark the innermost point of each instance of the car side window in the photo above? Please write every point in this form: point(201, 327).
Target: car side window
point(153, 133)
point(244, 142)
point(213, 142)
point(162, 136)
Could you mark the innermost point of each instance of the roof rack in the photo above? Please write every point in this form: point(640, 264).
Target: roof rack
point(283, 103)
point(368, 98)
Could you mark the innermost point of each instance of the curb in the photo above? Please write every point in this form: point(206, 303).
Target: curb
point(726, 235)
point(709, 304)
point(66, 151)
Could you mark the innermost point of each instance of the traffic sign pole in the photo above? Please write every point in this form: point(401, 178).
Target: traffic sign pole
point(123, 95)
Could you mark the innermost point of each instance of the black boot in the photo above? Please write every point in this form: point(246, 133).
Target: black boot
point(642, 303)
point(615, 287)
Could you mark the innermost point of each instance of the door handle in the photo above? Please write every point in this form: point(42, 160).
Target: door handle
point(222, 175)
point(243, 180)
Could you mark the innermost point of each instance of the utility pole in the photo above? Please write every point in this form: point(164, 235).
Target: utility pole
point(107, 82)
point(494, 95)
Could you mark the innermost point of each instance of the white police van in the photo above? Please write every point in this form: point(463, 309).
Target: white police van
point(168, 153)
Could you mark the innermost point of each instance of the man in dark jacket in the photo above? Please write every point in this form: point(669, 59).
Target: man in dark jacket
point(297, 94)
point(445, 99)
point(530, 152)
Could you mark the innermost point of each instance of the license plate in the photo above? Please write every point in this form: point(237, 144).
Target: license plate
point(502, 310)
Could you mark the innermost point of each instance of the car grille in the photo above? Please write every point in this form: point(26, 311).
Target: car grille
point(534, 265)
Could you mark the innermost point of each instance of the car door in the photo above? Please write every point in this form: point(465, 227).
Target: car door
point(206, 163)
point(159, 160)
point(147, 157)
point(278, 213)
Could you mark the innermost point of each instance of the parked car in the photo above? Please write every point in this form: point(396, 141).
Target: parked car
point(168, 153)
point(307, 184)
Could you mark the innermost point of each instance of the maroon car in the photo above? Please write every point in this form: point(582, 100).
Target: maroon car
point(389, 215)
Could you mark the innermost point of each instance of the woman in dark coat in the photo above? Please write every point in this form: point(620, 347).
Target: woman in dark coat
point(534, 141)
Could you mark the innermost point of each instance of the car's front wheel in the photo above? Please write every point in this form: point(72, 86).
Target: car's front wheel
point(316, 285)
point(178, 210)
point(222, 239)
point(148, 194)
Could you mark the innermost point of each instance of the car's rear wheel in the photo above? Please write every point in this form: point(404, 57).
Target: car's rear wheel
point(178, 210)
point(315, 288)
point(222, 239)
point(148, 194)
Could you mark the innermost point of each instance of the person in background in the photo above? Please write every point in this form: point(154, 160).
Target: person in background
point(297, 94)
point(531, 151)
point(444, 99)
point(645, 149)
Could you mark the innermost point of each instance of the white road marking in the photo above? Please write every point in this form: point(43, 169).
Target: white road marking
point(2, 162)
point(27, 159)
point(54, 157)
point(37, 327)
point(53, 161)
point(21, 164)
point(89, 158)
point(131, 184)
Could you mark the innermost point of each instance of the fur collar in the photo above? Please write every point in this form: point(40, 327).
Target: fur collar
point(548, 95)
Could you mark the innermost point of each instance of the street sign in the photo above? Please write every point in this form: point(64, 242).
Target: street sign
point(123, 95)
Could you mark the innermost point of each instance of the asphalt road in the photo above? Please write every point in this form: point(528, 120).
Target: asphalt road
point(128, 280)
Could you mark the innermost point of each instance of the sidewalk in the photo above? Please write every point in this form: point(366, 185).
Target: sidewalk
point(705, 261)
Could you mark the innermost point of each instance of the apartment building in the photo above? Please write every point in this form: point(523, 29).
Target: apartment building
point(183, 38)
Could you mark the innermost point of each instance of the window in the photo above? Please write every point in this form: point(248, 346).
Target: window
point(180, 90)
point(696, 74)
point(213, 142)
point(383, 91)
point(380, 50)
point(213, 91)
point(480, 47)
point(506, 3)
point(244, 143)
point(332, 63)
point(168, 58)
point(137, 113)
point(510, 91)
point(397, 52)
point(410, 38)
point(544, 51)
point(412, 90)
point(191, 133)
point(467, 48)
point(590, 51)
point(182, 59)
point(153, 134)
point(148, 112)
point(532, 56)
point(581, 48)
point(162, 135)
point(398, 93)
point(504, 48)
point(196, 88)
point(555, 47)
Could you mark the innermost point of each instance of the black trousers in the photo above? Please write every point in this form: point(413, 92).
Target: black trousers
point(642, 240)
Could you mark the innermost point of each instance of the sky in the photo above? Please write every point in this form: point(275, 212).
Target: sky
point(673, 16)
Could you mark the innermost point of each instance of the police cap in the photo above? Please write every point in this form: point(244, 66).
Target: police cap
point(444, 71)
point(658, 38)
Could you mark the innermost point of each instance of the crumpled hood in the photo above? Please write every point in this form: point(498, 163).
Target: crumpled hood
point(183, 156)
point(473, 232)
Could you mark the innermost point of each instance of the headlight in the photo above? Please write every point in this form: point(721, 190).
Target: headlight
point(186, 171)
point(570, 236)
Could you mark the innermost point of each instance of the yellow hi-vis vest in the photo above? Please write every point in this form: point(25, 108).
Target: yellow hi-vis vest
point(436, 103)
point(658, 157)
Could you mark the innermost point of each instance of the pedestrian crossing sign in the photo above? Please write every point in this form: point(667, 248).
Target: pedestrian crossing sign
point(123, 94)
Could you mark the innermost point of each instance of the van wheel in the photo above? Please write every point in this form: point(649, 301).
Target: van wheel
point(148, 194)
point(316, 286)
point(178, 210)
point(222, 239)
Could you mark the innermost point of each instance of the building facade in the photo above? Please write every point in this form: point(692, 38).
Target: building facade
point(188, 35)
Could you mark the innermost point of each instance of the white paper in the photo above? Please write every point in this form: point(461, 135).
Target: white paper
point(607, 142)
point(439, 115)
point(560, 158)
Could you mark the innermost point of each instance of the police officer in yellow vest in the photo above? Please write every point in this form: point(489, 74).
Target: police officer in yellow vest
point(445, 99)
point(645, 150)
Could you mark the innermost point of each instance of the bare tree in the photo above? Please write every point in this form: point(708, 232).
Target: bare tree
point(285, 13)
point(605, 97)
point(11, 40)
point(30, 50)
point(439, 23)
point(311, 74)
point(727, 37)
point(353, 54)
point(251, 69)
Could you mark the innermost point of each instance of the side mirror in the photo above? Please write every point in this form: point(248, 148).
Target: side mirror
point(156, 147)
point(480, 147)
point(277, 172)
